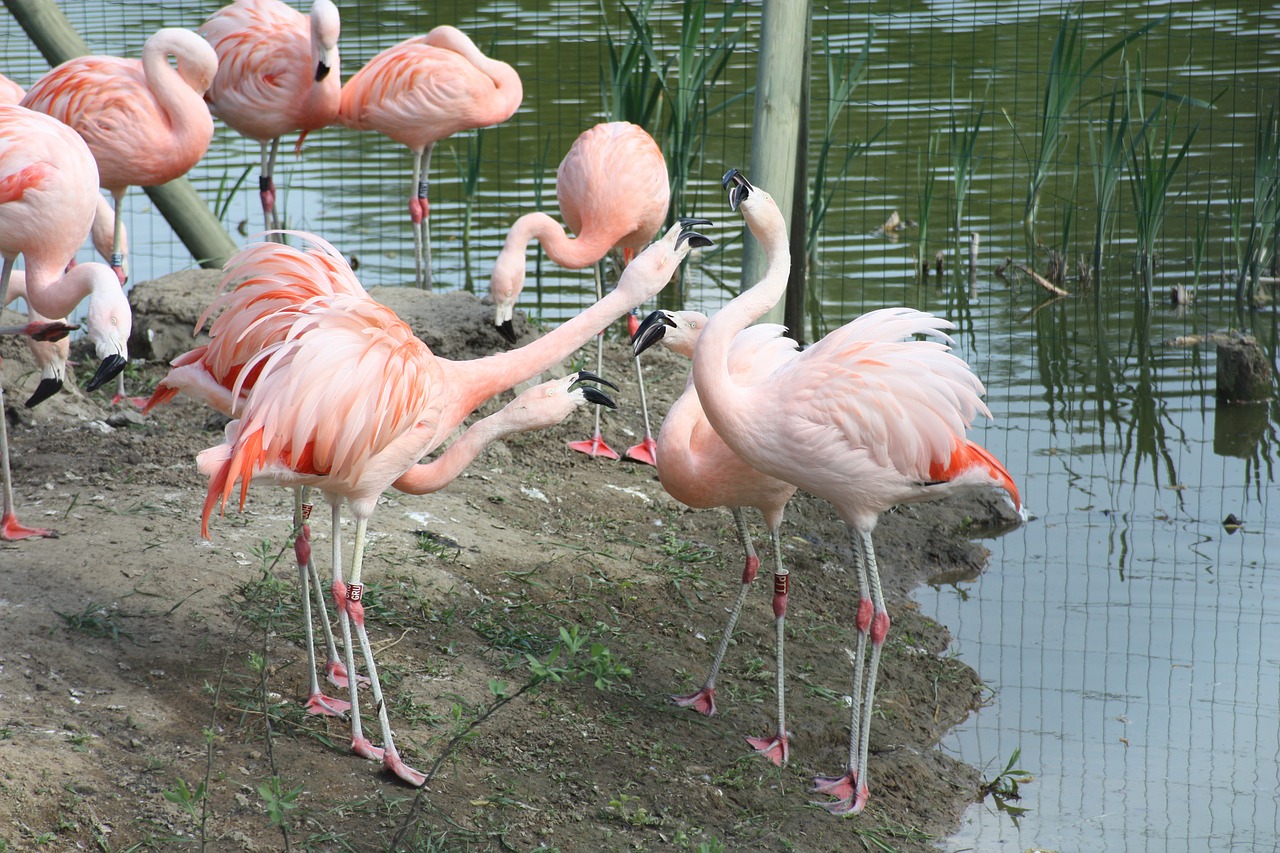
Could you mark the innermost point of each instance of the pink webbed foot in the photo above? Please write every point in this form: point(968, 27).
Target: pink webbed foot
point(646, 451)
point(12, 530)
point(321, 705)
point(337, 675)
point(704, 701)
point(594, 446)
point(365, 749)
point(777, 748)
point(851, 798)
point(392, 763)
point(138, 403)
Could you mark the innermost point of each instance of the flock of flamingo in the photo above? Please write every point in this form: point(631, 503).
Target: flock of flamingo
point(329, 390)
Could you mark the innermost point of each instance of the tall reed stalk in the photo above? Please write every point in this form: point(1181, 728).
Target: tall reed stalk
point(1067, 73)
point(1264, 224)
point(1108, 146)
point(963, 148)
point(1153, 165)
point(632, 84)
point(926, 185)
point(469, 175)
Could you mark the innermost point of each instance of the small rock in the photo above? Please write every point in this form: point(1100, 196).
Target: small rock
point(126, 417)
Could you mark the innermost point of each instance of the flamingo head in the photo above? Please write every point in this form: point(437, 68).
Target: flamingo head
point(653, 268)
point(196, 60)
point(678, 331)
point(505, 283)
point(325, 26)
point(108, 322)
point(551, 402)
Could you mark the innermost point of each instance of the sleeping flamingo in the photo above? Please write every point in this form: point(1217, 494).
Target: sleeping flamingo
point(144, 120)
point(867, 418)
point(48, 188)
point(421, 91)
point(349, 400)
point(698, 469)
point(613, 191)
point(277, 74)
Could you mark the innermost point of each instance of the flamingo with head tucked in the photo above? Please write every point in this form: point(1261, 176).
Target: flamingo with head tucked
point(349, 400)
point(613, 191)
point(277, 74)
point(423, 90)
point(869, 417)
point(697, 468)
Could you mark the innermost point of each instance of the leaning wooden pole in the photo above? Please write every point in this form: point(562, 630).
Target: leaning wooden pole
point(179, 203)
point(776, 122)
point(797, 283)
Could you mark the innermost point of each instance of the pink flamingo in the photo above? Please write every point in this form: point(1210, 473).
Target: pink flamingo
point(10, 92)
point(145, 121)
point(46, 339)
point(698, 469)
point(867, 418)
point(613, 191)
point(355, 431)
point(420, 91)
point(48, 187)
point(277, 74)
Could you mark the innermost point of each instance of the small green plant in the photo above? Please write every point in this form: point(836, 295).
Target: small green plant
point(1004, 788)
point(599, 664)
point(622, 808)
point(190, 800)
point(278, 801)
point(96, 620)
point(226, 192)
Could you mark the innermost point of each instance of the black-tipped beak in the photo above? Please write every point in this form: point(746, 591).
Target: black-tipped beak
point(108, 370)
point(46, 389)
point(693, 238)
point(652, 329)
point(588, 376)
point(53, 331)
point(595, 395)
point(322, 71)
point(508, 330)
point(738, 186)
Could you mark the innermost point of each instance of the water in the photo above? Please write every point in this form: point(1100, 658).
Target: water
point(1129, 639)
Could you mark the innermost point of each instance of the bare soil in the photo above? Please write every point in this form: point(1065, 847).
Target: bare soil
point(150, 681)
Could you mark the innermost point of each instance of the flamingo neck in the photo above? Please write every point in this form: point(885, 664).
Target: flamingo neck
point(55, 295)
point(427, 477)
point(183, 106)
point(717, 388)
point(569, 252)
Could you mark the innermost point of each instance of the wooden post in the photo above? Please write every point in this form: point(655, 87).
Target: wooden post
point(774, 135)
point(188, 215)
point(796, 297)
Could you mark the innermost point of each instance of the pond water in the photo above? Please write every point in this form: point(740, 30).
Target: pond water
point(1131, 641)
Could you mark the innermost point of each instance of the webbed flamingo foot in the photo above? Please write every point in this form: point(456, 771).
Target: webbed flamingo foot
point(321, 705)
point(594, 446)
point(777, 748)
point(12, 530)
point(646, 452)
point(704, 701)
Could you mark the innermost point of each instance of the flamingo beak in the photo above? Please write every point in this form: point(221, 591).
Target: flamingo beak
point(737, 185)
point(508, 330)
point(109, 369)
point(590, 392)
point(588, 376)
point(46, 389)
point(651, 330)
point(322, 70)
point(694, 239)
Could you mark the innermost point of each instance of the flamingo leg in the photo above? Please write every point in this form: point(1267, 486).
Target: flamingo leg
point(267, 186)
point(420, 214)
point(852, 790)
point(352, 593)
point(596, 446)
point(704, 700)
point(647, 450)
point(317, 702)
point(778, 748)
point(11, 529)
point(360, 745)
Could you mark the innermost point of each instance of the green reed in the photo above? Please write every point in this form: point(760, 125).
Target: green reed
point(1108, 146)
point(1263, 232)
point(926, 183)
point(963, 149)
point(632, 84)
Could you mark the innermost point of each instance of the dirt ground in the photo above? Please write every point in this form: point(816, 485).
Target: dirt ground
point(149, 681)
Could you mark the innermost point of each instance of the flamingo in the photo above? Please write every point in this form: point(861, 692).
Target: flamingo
point(420, 91)
point(867, 418)
point(145, 121)
point(48, 184)
point(348, 400)
point(613, 191)
point(10, 92)
point(277, 74)
point(698, 469)
point(46, 339)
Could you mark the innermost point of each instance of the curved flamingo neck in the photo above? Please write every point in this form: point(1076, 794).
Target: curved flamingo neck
point(506, 82)
point(716, 386)
point(176, 95)
point(569, 252)
point(427, 477)
point(56, 295)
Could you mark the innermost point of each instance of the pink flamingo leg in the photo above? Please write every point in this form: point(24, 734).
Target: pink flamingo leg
point(317, 702)
point(360, 744)
point(778, 747)
point(419, 214)
point(704, 700)
point(647, 450)
point(11, 530)
point(852, 790)
point(596, 446)
point(352, 611)
point(267, 185)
